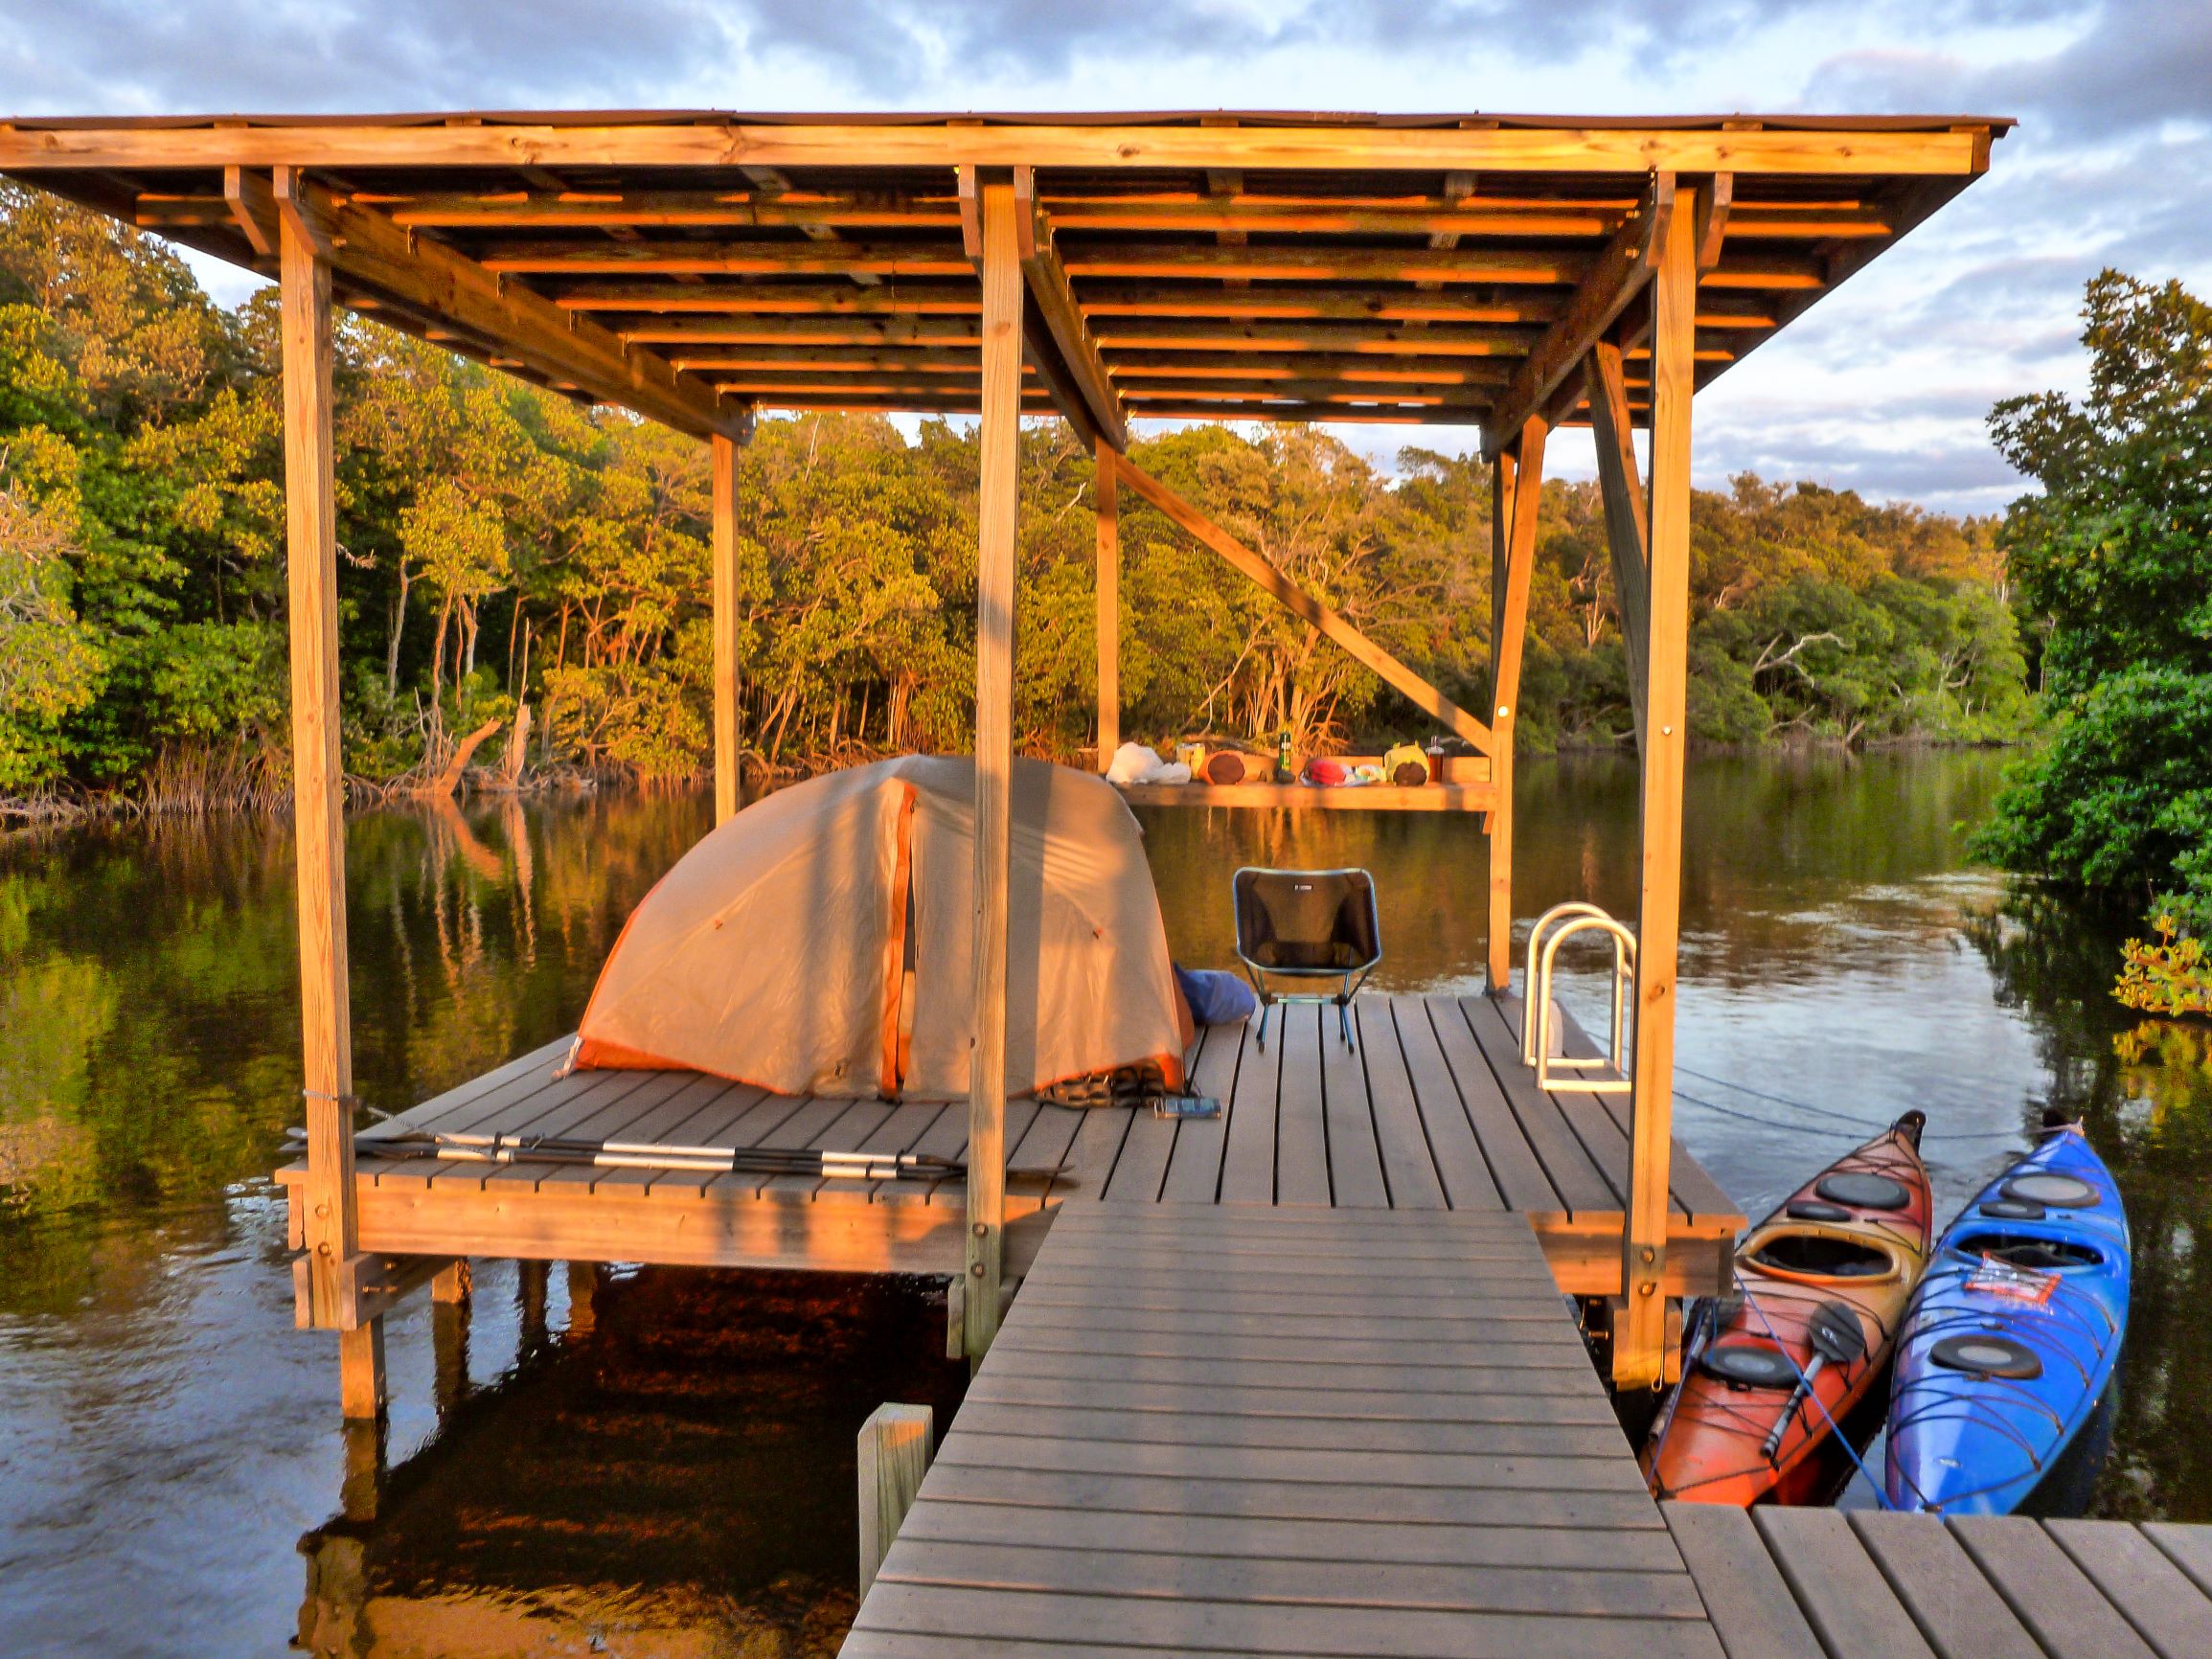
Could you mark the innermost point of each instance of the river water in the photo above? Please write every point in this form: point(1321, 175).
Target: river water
point(660, 1463)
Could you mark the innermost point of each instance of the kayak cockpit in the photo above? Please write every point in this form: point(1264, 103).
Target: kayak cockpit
point(1821, 1256)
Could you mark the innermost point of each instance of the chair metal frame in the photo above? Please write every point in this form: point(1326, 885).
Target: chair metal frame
point(1348, 989)
point(1562, 922)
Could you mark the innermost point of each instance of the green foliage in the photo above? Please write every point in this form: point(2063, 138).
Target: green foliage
point(499, 544)
point(2113, 563)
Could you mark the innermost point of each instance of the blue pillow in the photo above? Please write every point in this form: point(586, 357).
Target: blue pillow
point(1216, 998)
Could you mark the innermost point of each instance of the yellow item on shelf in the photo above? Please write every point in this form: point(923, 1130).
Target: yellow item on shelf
point(1405, 764)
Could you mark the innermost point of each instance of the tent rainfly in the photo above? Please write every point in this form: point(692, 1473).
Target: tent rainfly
point(822, 942)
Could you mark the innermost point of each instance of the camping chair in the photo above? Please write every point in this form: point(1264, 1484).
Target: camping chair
point(1307, 924)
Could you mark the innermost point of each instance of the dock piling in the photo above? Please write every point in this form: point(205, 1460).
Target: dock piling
point(896, 1443)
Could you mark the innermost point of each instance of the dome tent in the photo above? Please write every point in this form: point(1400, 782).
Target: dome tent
point(819, 941)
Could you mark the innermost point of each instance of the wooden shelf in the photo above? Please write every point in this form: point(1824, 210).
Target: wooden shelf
point(1308, 797)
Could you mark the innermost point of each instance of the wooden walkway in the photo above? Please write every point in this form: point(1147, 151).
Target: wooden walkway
point(1213, 1430)
point(1821, 1584)
point(1218, 1430)
point(1430, 1111)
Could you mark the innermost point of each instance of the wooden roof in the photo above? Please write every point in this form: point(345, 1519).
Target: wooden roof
point(696, 265)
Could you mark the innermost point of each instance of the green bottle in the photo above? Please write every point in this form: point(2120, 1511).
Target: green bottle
point(1283, 772)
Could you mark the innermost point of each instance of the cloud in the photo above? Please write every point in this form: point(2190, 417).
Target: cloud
point(2131, 65)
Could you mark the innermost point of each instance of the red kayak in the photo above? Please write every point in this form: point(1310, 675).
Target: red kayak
point(1769, 1372)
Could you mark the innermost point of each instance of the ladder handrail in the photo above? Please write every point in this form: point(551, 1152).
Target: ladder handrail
point(1528, 977)
point(1536, 1013)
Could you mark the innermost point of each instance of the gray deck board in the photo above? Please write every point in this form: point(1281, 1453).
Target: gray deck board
point(2062, 1608)
point(1848, 1602)
point(1957, 1610)
point(1380, 1482)
point(1463, 1174)
point(1578, 1181)
point(2154, 1595)
point(1745, 1595)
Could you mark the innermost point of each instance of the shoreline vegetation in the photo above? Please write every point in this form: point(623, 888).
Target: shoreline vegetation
point(523, 582)
point(2115, 557)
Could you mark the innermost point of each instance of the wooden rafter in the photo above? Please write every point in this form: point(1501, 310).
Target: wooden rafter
point(1303, 605)
point(367, 251)
point(733, 259)
point(785, 300)
point(1615, 278)
point(1628, 521)
point(1040, 353)
point(1054, 299)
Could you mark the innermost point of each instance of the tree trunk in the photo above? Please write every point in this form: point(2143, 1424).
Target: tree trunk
point(446, 782)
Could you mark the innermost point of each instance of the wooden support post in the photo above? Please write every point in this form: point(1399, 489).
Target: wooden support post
point(994, 590)
point(450, 1322)
point(530, 1279)
point(1639, 1350)
point(896, 1443)
point(582, 1298)
point(455, 1284)
point(1627, 519)
point(727, 754)
point(1516, 489)
point(333, 1234)
point(1109, 607)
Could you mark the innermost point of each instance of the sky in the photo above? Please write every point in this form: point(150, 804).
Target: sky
point(1884, 386)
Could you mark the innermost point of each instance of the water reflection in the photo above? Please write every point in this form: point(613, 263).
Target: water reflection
point(683, 1476)
point(672, 1475)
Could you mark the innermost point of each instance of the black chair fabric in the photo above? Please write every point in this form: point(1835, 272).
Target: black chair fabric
point(1307, 921)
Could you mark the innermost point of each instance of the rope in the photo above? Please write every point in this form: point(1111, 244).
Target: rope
point(1811, 1393)
point(352, 1103)
point(1858, 1125)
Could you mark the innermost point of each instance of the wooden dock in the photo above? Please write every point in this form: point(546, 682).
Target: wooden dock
point(1221, 1430)
point(1296, 1380)
point(1430, 1111)
point(1228, 1428)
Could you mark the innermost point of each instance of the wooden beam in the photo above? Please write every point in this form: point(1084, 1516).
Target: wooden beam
point(371, 254)
point(721, 144)
point(1385, 340)
point(999, 443)
point(1306, 607)
point(1472, 402)
point(1639, 1350)
point(1378, 367)
point(1628, 524)
point(950, 402)
point(728, 753)
point(1372, 306)
point(724, 258)
point(1615, 278)
point(1269, 409)
point(805, 210)
point(783, 300)
point(333, 1235)
point(1713, 199)
point(1109, 605)
point(247, 204)
point(793, 333)
point(1517, 494)
point(1307, 263)
point(827, 360)
point(1056, 307)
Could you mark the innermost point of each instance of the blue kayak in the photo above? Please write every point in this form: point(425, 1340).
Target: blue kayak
point(2007, 1350)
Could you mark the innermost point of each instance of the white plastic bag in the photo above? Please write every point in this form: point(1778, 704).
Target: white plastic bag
point(1136, 763)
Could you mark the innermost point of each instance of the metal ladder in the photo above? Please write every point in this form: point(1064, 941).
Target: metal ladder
point(1561, 922)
